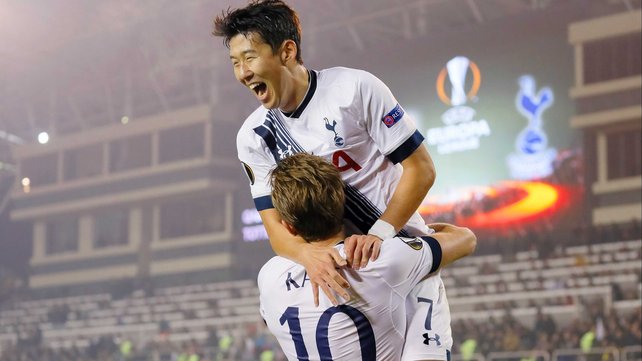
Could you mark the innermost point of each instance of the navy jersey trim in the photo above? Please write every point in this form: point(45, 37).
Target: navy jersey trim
point(360, 210)
point(277, 137)
point(312, 76)
point(435, 248)
point(268, 138)
point(283, 134)
point(406, 148)
point(263, 203)
point(281, 144)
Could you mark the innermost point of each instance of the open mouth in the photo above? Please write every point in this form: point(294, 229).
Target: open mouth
point(259, 88)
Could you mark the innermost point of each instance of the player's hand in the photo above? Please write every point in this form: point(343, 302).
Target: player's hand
point(361, 248)
point(321, 264)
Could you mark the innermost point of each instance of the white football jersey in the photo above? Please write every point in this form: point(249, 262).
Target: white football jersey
point(371, 326)
point(350, 118)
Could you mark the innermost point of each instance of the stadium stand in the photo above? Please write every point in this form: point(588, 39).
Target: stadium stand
point(504, 305)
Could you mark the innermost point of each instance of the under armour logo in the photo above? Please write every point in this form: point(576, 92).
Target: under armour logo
point(338, 141)
point(427, 339)
point(285, 153)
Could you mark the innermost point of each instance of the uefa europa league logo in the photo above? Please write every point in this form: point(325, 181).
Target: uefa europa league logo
point(457, 69)
point(462, 129)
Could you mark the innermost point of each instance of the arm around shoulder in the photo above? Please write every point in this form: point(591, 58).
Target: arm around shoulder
point(455, 242)
point(318, 261)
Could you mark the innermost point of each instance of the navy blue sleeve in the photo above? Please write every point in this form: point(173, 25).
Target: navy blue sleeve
point(436, 252)
point(263, 203)
point(406, 148)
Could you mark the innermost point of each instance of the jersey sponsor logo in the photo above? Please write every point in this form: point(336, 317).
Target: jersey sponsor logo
point(393, 117)
point(414, 243)
point(248, 172)
point(338, 141)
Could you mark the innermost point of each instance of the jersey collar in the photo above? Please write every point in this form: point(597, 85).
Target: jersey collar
point(312, 87)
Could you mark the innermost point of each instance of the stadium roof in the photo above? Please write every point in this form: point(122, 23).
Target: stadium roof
point(71, 65)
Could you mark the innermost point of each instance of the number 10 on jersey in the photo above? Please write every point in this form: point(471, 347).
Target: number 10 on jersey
point(364, 331)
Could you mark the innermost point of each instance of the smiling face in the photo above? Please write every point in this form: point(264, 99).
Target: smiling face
point(262, 71)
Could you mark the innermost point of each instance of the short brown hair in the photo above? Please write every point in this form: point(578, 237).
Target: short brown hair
point(308, 193)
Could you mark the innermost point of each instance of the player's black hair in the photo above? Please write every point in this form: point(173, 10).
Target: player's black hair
point(273, 20)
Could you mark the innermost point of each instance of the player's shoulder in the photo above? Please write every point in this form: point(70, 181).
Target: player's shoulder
point(403, 243)
point(256, 118)
point(340, 73)
point(246, 132)
point(399, 262)
point(272, 264)
point(273, 268)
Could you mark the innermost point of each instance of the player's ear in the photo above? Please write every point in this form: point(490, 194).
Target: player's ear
point(288, 51)
point(289, 228)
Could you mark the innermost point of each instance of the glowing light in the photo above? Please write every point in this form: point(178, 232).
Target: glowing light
point(43, 137)
point(26, 184)
point(124, 120)
point(539, 198)
point(533, 200)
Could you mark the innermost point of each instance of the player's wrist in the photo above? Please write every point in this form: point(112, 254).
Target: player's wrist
point(382, 229)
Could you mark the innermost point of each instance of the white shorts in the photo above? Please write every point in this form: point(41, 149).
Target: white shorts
point(428, 332)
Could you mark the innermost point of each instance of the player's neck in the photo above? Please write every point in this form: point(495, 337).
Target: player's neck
point(331, 241)
point(300, 81)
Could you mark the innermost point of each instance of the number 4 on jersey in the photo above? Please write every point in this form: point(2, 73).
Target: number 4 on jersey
point(343, 162)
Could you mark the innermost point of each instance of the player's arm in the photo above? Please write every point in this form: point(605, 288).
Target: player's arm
point(454, 243)
point(417, 178)
point(395, 134)
point(448, 244)
point(319, 262)
point(404, 262)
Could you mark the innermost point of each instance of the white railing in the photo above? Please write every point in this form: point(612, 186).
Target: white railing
point(597, 354)
point(533, 355)
point(631, 353)
point(473, 357)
